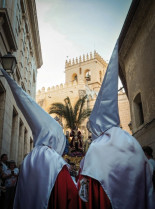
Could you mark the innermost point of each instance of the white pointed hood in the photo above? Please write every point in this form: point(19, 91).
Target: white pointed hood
point(42, 165)
point(45, 129)
point(105, 112)
point(115, 158)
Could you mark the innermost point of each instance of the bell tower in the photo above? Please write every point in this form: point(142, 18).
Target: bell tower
point(88, 69)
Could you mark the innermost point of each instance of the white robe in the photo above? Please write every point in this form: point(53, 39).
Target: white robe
point(117, 161)
point(42, 165)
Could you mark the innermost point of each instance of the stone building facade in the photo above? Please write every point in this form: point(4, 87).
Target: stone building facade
point(19, 35)
point(137, 68)
point(83, 76)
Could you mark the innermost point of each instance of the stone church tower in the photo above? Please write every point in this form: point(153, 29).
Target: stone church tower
point(88, 69)
point(83, 76)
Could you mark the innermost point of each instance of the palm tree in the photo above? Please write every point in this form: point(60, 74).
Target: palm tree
point(74, 116)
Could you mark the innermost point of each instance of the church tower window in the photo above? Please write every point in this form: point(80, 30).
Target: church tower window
point(88, 75)
point(74, 77)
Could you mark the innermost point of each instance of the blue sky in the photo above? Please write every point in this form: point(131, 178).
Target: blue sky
point(70, 28)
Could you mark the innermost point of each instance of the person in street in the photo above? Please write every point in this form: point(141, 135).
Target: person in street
point(10, 176)
point(115, 172)
point(4, 161)
point(149, 154)
point(44, 180)
point(2, 187)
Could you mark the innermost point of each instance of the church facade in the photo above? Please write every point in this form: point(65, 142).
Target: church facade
point(83, 76)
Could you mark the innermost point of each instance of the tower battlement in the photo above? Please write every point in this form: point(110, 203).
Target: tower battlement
point(57, 87)
point(64, 89)
point(85, 58)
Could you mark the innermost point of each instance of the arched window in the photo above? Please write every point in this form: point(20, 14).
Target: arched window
point(88, 75)
point(74, 77)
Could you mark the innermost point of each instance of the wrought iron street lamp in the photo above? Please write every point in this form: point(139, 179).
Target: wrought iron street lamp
point(8, 62)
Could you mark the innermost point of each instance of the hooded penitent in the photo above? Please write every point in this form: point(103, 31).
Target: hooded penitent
point(41, 166)
point(105, 112)
point(115, 158)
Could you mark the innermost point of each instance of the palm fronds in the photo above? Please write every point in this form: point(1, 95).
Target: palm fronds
point(73, 116)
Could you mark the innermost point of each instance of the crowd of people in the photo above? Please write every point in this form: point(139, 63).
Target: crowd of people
point(8, 180)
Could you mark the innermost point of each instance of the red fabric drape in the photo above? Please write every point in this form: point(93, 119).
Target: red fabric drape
point(97, 198)
point(64, 194)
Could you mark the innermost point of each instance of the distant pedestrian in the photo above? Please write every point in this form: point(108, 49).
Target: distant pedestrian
point(149, 154)
point(4, 161)
point(2, 188)
point(11, 175)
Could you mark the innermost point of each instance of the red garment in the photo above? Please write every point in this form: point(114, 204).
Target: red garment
point(64, 194)
point(97, 198)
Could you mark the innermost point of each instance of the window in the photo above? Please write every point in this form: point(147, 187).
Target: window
point(13, 148)
point(138, 110)
point(20, 142)
point(74, 77)
point(88, 75)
